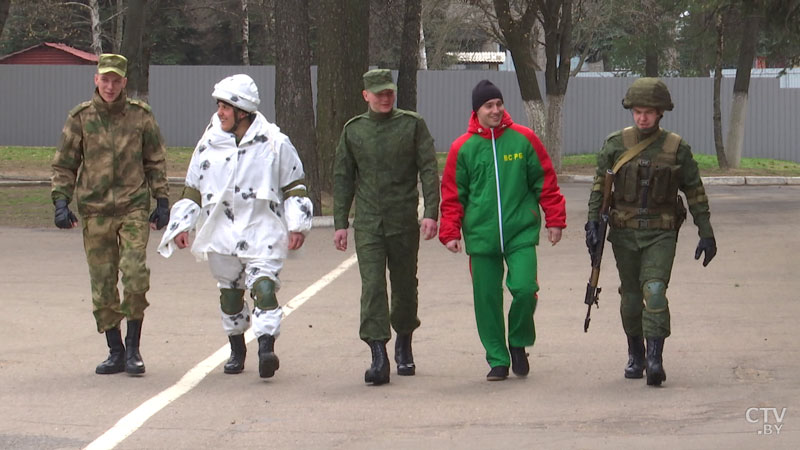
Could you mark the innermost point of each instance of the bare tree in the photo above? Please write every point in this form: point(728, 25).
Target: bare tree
point(339, 82)
point(423, 57)
point(294, 108)
point(409, 56)
point(245, 34)
point(94, 20)
point(741, 85)
point(4, 6)
point(719, 145)
point(119, 25)
point(132, 48)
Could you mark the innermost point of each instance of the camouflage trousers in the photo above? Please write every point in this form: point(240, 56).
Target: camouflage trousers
point(398, 252)
point(113, 245)
point(644, 276)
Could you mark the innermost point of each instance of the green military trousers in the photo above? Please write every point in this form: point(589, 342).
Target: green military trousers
point(113, 245)
point(398, 252)
point(644, 275)
point(487, 292)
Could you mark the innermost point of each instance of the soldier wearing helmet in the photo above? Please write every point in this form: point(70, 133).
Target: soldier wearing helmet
point(246, 182)
point(650, 165)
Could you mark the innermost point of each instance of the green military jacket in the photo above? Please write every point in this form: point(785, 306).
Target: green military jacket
point(690, 184)
point(379, 160)
point(111, 156)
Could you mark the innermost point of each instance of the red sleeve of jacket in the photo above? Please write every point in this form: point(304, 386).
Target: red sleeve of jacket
point(452, 209)
point(551, 200)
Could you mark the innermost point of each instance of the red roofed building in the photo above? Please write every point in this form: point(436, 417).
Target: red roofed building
point(50, 53)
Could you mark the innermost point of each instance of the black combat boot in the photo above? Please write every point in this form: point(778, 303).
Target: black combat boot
point(133, 360)
point(655, 369)
point(235, 363)
point(403, 356)
point(115, 363)
point(519, 361)
point(268, 361)
point(635, 365)
point(378, 373)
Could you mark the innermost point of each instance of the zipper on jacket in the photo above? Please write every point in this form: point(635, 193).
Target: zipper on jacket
point(497, 184)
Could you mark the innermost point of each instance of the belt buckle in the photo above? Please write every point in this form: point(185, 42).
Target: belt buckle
point(643, 223)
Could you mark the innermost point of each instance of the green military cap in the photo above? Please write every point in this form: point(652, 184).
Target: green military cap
point(111, 62)
point(377, 80)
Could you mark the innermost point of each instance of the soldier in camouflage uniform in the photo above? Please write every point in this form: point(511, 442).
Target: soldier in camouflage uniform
point(650, 165)
point(111, 156)
point(380, 156)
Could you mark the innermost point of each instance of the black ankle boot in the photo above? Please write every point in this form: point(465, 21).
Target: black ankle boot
point(115, 363)
point(403, 356)
point(655, 368)
point(378, 373)
point(519, 361)
point(235, 363)
point(133, 360)
point(635, 365)
point(268, 361)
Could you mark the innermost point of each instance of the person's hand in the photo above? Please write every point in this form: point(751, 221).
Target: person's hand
point(592, 228)
point(182, 239)
point(340, 239)
point(64, 218)
point(554, 235)
point(454, 245)
point(160, 216)
point(296, 240)
point(707, 246)
point(428, 228)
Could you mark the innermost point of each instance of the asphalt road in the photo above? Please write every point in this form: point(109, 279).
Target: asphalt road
point(732, 360)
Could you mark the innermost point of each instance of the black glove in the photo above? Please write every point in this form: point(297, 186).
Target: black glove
point(64, 217)
point(160, 215)
point(592, 228)
point(708, 245)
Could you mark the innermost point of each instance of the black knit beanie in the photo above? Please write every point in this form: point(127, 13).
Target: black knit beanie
point(483, 92)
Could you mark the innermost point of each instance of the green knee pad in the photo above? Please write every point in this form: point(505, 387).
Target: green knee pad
point(655, 296)
point(263, 293)
point(231, 300)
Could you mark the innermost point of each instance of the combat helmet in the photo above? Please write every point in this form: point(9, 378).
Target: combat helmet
point(648, 92)
point(238, 90)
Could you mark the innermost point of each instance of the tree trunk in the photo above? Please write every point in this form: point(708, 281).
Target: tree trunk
point(651, 59)
point(517, 33)
point(409, 57)
point(741, 86)
point(4, 5)
point(423, 56)
point(97, 42)
point(557, 24)
point(555, 116)
point(719, 145)
point(340, 67)
point(133, 49)
point(245, 34)
point(294, 110)
point(119, 25)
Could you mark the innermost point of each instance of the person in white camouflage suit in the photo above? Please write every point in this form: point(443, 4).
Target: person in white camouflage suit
point(245, 193)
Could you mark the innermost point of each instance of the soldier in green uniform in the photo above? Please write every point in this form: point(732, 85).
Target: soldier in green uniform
point(380, 157)
point(111, 157)
point(650, 165)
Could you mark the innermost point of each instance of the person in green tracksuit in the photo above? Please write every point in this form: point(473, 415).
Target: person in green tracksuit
point(496, 178)
point(380, 158)
point(649, 165)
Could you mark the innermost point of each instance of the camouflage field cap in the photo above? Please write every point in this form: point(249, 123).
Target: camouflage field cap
point(378, 80)
point(111, 62)
point(648, 92)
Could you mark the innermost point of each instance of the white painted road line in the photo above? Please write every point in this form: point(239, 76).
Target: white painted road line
point(136, 418)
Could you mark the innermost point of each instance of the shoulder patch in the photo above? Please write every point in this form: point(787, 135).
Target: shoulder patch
point(360, 116)
point(409, 113)
point(79, 108)
point(139, 103)
point(613, 135)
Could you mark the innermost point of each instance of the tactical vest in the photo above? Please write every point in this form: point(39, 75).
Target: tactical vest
point(646, 190)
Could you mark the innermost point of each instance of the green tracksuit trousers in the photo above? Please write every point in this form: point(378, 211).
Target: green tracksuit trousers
point(487, 288)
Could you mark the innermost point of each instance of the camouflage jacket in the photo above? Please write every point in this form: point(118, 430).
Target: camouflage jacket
point(379, 159)
point(112, 156)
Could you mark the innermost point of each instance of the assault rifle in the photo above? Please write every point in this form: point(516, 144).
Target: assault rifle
point(592, 290)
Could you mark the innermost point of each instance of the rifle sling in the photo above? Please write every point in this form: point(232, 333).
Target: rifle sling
point(635, 150)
